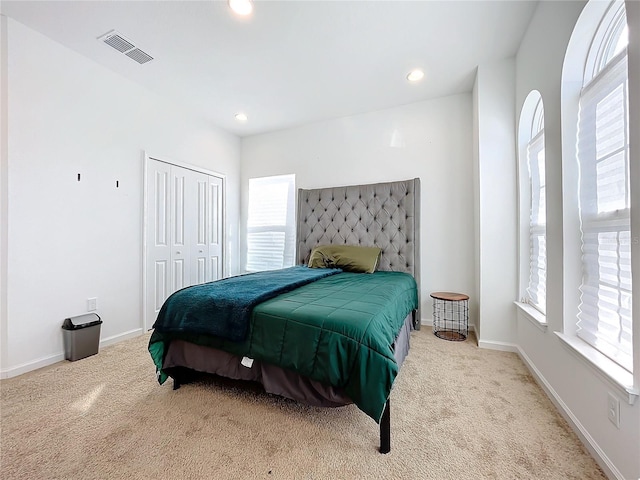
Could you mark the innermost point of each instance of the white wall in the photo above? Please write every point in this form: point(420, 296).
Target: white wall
point(70, 240)
point(3, 190)
point(434, 141)
point(496, 230)
point(633, 18)
point(476, 204)
point(577, 389)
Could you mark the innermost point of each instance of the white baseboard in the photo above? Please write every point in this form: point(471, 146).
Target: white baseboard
point(50, 360)
point(136, 332)
point(502, 346)
point(506, 347)
point(587, 440)
point(30, 366)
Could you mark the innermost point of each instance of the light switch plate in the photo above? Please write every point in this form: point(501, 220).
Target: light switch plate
point(92, 304)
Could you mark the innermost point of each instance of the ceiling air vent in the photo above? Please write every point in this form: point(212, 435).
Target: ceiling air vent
point(139, 56)
point(121, 44)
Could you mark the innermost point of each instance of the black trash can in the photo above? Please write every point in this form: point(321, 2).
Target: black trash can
point(81, 336)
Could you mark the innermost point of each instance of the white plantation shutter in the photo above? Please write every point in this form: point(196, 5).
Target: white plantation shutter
point(270, 224)
point(536, 290)
point(604, 318)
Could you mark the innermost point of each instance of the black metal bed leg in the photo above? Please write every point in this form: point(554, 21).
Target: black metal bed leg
point(385, 429)
point(176, 383)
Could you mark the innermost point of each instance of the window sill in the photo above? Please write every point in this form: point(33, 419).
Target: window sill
point(534, 316)
point(607, 369)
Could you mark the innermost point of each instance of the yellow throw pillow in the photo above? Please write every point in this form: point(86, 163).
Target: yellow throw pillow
point(350, 258)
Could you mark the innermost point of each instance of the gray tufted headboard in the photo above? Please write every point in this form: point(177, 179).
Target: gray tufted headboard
point(386, 215)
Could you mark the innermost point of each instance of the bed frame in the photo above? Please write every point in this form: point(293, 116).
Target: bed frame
point(386, 215)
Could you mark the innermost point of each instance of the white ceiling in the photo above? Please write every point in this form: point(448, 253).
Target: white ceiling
point(291, 62)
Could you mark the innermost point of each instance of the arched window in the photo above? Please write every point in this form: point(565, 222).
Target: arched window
point(533, 199)
point(604, 316)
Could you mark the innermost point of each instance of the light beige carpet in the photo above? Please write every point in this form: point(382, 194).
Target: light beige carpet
point(458, 412)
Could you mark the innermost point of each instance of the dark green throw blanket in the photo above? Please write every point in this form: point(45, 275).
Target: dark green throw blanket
point(223, 307)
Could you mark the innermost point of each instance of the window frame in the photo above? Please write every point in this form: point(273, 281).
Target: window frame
point(287, 228)
point(536, 229)
point(593, 222)
point(576, 63)
point(530, 133)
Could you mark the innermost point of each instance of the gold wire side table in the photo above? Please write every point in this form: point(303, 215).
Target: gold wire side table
point(450, 315)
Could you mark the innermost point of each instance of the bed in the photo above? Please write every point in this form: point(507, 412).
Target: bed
point(315, 340)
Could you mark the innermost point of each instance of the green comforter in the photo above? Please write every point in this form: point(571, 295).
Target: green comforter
point(338, 330)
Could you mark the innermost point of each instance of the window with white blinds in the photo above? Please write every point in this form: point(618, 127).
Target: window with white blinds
point(536, 294)
point(604, 317)
point(270, 223)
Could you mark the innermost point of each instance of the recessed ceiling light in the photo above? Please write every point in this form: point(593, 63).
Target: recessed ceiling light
point(415, 75)
point(241, 117)
point(241, 7)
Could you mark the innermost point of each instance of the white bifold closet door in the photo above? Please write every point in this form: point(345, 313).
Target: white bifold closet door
point(183, 232)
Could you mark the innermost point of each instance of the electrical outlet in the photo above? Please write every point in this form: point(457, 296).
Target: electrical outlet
point(92, 304)
point(613, 410)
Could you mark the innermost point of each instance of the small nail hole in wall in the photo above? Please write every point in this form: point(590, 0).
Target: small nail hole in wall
point(78, 177)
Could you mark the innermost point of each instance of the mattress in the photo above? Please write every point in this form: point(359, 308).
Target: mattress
point(336, 330)
point(274, 379)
